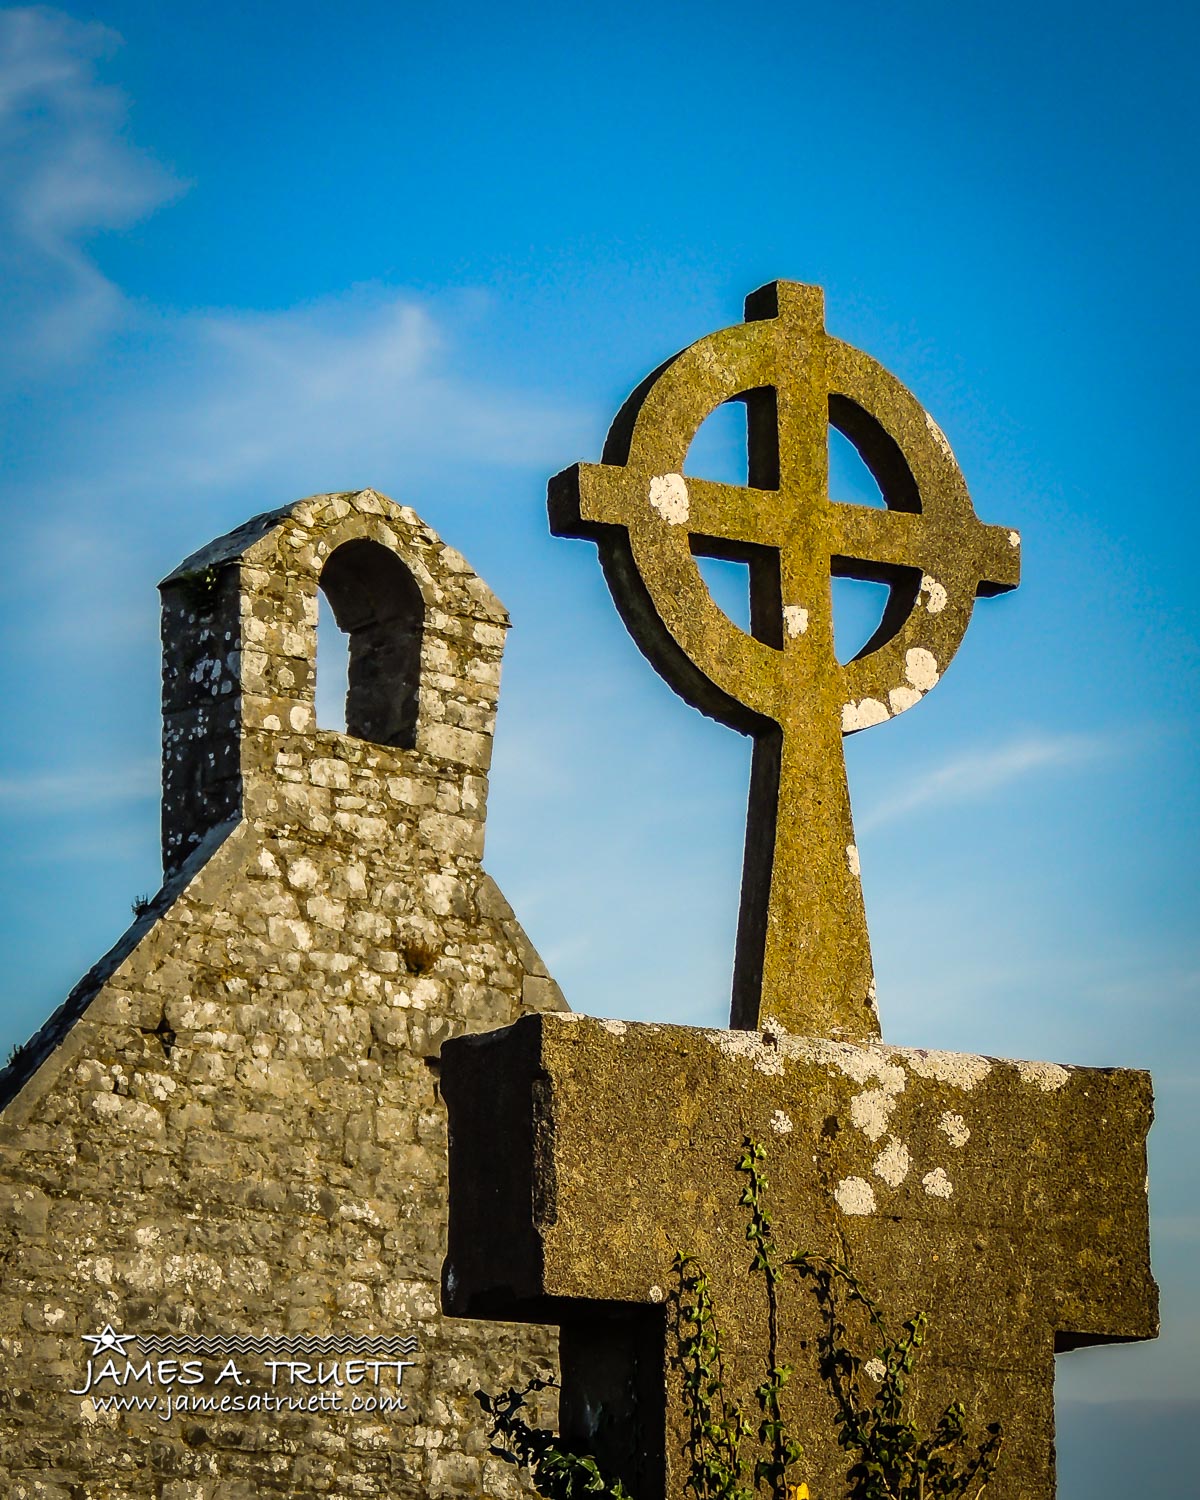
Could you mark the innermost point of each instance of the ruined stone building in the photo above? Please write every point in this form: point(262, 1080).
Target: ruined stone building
point(223, 1158)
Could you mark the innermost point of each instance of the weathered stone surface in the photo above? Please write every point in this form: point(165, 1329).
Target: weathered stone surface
point(234, 1124)
point(1006, 1199)
point(803, 954)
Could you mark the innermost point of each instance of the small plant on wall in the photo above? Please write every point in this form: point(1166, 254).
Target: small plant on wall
point(739, 1452)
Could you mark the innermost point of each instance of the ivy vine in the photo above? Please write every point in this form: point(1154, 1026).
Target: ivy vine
point(734, 1455)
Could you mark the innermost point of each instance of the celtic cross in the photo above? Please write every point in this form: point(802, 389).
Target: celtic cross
point(803, 954)
point(1007, 1200)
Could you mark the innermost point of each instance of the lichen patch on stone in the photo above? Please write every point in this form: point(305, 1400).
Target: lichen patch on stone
point(921, 668)
point(937, 1184)
point(765, 1057)
point(864, 714)
point(795, 620)
point(871, 1111)
point(669, 497)
point(954, 1128)
point(855, 1195)
point(1047, 1076)
point(939, 437)
point(781, 1124)
point(902, 698)
point(892, 1163)
point(962, 1070)
point(933, 594)
point(862, 1064)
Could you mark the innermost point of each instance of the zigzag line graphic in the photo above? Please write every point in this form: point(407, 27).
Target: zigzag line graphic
point(218, 1345)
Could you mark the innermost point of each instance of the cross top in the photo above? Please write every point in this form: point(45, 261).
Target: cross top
point(803, 953)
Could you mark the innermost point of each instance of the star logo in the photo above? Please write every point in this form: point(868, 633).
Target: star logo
point(108, 1339)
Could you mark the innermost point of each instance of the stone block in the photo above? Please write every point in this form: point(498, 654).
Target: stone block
point(586, 1154)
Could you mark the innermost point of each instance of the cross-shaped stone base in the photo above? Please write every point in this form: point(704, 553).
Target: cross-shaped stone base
point(1006, 1200)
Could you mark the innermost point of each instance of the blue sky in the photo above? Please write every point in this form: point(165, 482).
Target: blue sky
point(250, 253)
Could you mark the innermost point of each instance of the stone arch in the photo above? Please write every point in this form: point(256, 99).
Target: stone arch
point(377, 602)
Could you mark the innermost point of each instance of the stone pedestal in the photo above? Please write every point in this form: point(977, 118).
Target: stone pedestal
point(1007, 1200)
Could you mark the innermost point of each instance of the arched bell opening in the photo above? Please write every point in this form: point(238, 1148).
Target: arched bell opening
point(376, 602)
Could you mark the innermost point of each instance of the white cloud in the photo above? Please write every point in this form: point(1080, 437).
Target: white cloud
point(341, 389)
point(66, 171)
point(363, 388)
point(224, 413)
point(979, 773)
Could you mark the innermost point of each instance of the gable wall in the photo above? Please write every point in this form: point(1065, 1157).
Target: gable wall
point(234, 1125)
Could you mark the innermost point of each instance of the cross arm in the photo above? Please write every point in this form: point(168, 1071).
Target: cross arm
point(586, 497)
point(884, 541)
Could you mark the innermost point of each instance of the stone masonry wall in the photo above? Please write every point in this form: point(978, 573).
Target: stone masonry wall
point(233, 1126)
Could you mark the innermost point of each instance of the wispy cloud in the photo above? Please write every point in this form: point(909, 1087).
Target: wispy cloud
point(38, 793)
point(66, 171)
point(356, 383)
point(980, 773)
point(365, 387)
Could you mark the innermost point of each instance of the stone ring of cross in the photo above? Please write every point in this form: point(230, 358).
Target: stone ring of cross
point(782, 681)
